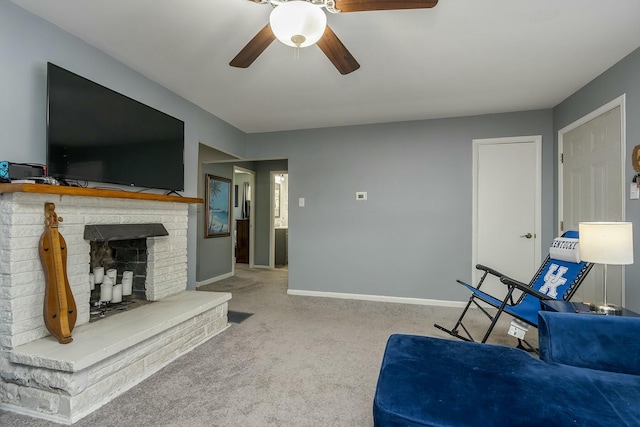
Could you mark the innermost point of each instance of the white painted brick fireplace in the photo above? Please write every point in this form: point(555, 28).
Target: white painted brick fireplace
point(64, 382)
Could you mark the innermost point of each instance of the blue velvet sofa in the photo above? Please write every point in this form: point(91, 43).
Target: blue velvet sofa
point(588, 374)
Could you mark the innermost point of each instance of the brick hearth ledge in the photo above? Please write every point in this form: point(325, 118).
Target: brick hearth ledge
point(64, 383)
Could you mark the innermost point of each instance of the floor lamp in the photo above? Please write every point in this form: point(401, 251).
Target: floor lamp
point(606, 243)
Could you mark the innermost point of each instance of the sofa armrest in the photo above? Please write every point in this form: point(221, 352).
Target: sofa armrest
point(605, 343)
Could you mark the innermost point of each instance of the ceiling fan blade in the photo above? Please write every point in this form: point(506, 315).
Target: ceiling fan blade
point(365, 5)
point(337, 53)
point(254, 48)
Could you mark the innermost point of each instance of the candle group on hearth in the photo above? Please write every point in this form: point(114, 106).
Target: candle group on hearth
point(110, 290)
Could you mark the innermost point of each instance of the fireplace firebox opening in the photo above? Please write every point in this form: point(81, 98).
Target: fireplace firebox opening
point(118, 249)
point(128, 255)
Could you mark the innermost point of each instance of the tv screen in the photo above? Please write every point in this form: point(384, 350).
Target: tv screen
point(97, 134)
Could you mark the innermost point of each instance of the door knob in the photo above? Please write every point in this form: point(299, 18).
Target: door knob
point(528, 235)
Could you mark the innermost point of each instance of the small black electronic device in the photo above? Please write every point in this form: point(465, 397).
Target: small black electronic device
point(10, 171)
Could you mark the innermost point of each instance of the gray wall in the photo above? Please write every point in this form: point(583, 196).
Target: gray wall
point(27, 43)
point(214, 253)
point(412, 238)
point(622, 78)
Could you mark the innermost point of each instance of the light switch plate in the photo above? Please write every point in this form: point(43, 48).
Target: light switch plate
point(634, 192)
point(301, 202)
point(361, 195)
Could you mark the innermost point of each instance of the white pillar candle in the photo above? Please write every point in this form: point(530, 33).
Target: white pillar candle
point(98, 274)
point(127, 283)
point(107, 280)
point(92, 281)
point(116, 293)
point(106, 292)
point(113, 273)
point(127, 287)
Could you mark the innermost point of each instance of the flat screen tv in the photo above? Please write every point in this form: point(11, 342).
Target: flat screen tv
point(95, 134)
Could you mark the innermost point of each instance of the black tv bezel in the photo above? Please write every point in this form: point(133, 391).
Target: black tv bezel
point(151, 184)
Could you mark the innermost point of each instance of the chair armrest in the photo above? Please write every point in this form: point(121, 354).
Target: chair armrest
point(523, 287)
point(489, 270)
point(486, 270)
point(594, 341)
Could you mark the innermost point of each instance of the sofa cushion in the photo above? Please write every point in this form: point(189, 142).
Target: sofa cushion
point(428, 381)
point(587, 341)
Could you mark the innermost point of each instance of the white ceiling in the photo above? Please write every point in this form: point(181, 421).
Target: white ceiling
point(463, 57)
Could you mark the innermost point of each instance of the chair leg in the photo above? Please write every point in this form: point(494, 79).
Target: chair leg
point(455, 331)
point(494, 320)
point(508, 297)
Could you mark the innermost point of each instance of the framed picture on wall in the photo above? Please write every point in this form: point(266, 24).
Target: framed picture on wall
point(218, 206)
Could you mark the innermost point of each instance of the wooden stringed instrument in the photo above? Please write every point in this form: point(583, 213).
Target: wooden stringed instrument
point(60, 311)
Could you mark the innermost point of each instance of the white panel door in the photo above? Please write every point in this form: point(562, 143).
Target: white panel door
point(507, 208)
point(593, 190)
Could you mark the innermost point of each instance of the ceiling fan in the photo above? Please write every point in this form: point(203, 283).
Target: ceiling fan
point(309, 27)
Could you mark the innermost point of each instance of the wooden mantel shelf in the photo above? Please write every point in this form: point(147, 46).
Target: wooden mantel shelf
point(92, 192)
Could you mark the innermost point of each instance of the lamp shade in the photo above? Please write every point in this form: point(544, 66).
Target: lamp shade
point(298, 23)
point(606, 242)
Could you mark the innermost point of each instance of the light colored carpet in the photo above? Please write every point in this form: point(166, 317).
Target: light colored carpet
point(297, 361)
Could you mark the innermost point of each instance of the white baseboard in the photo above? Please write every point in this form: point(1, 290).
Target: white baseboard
point(378, 298)
point(214, 279)
point(266, 267)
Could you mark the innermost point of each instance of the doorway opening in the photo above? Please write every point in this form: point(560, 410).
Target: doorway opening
point(243, 216)
point(279, 236)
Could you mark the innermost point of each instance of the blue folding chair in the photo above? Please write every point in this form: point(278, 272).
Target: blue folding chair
point(558, 278)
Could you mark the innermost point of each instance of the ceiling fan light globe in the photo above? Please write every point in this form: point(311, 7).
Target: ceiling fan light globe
point(298, 20)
